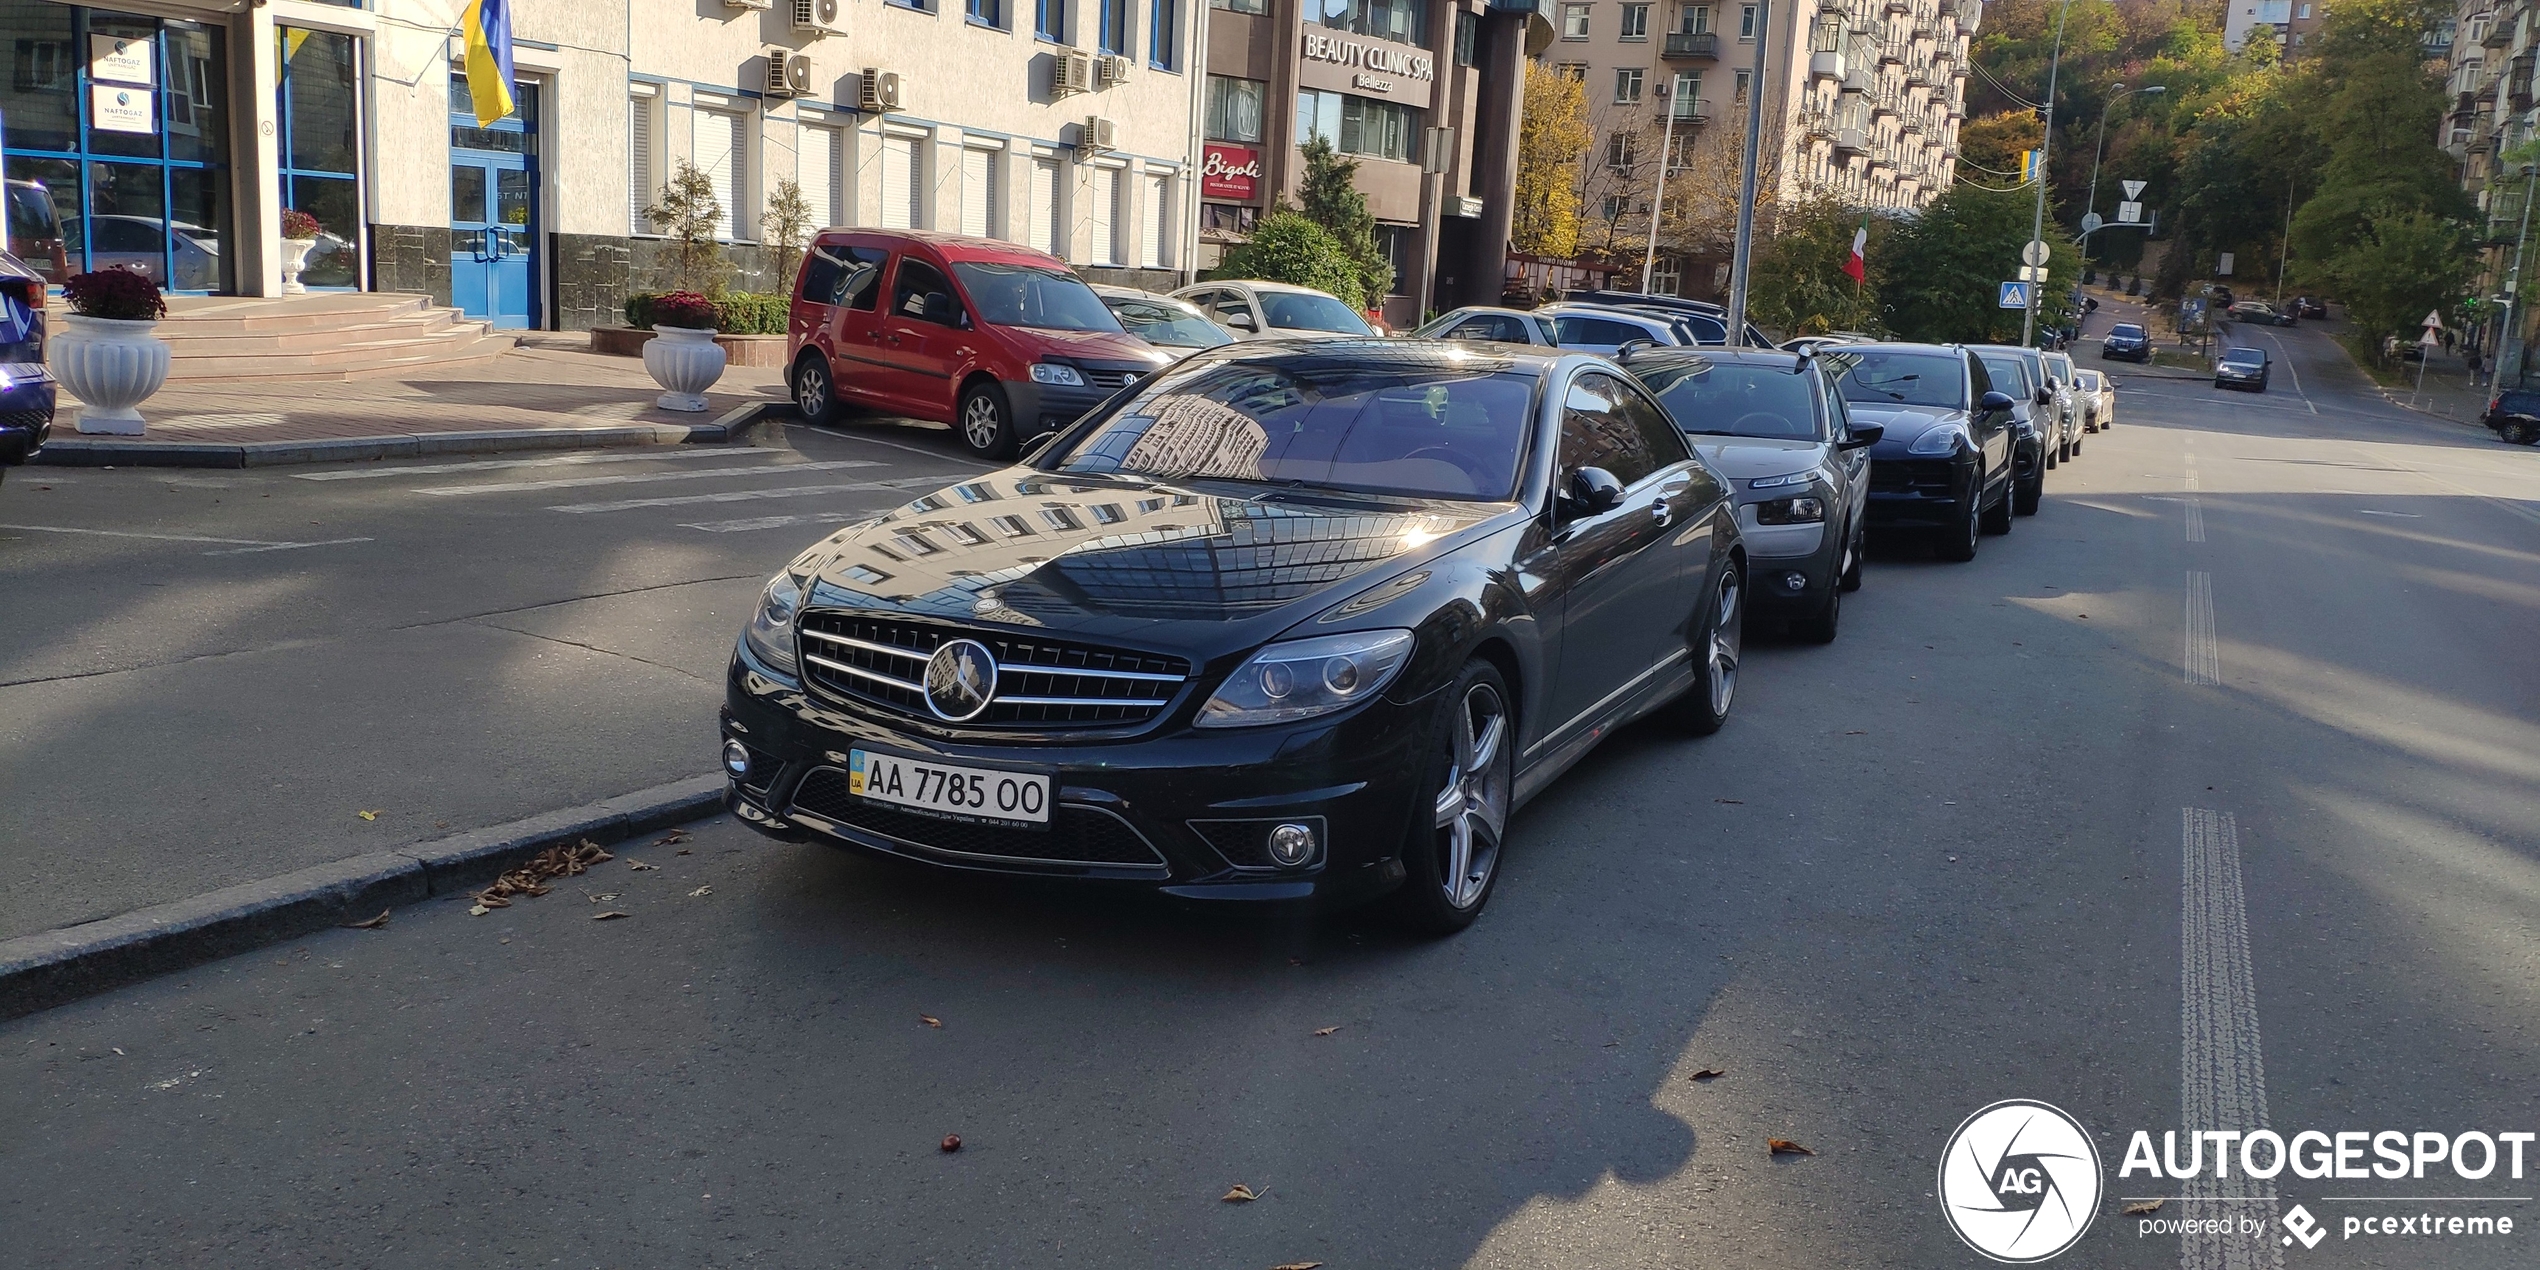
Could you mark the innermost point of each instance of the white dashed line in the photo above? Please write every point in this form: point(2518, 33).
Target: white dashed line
point(641, 478)
point(555, 460)
point(2204, 664)
point(2222, 1076)
point(753, 495)
point(2195, 520)
point(2291, 370)
point(773, 522)
point(232, 546)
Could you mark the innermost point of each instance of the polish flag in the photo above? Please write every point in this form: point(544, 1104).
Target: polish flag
point(1858, 266)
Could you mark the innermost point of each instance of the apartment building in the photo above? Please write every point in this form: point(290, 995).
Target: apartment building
point(1861, 99)
point(2488, 74)
point(170, 136)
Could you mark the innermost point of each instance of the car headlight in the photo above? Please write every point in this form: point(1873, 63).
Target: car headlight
point(1791, 511)
point(770, 634)
point(1944, 439)
point(1056, 373)
point(1301, 678)
point(1776, 482)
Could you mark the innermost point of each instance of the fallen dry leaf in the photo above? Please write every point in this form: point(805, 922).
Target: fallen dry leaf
point(477, 910)
point(701, 891)
point(673, 837)
point(609, 915)
point(686, 851)
point(1241, 1194)
point(930, 1020)
point(371, 923)
point(952, 1142)
point(367, 815)
point(639, 866)
point(2147, 1206)
point(531, 879)
point(1297, 1265)
point(1710, 1073)
point(1784, 1146)
point(1327, 1031)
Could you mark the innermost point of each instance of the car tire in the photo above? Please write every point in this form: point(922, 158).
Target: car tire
point(1848, 571)
point(2517, 432)
point(1959, 541)
point(1452, 855)
point(984, 421)
point(2025, 498)
point(2074, 451)
point(1997, 518)
point(814, 389)
point(1821, 626)
point(2045, 458)
point(1717, 646)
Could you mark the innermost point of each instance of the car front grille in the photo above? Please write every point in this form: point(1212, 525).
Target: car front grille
point(1040, 683)
point(1928, 477)
point(1077, 834)
point(24, 420)
point(1110, 380)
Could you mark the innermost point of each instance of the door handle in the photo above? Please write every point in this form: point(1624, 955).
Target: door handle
point(1662, 514)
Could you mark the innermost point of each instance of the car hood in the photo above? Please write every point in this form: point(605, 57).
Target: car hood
point(1147, 564)
point(1747, 458)
point(1093, 346)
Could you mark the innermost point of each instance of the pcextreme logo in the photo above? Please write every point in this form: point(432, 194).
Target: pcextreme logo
point(2019, 1181)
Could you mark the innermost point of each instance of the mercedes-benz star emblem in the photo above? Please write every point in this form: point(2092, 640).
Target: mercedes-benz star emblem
point(961, 678)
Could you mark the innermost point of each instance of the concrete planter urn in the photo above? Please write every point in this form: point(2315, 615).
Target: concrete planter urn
point(111, 366)
point(686, 362)
point(295, 257)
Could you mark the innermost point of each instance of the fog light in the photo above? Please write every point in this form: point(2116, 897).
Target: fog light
point(1292, 845)
point(1794, 581)
point(736, 759)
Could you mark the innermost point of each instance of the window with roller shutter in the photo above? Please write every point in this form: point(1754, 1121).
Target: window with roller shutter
point(1048, 208)
point(720, 152)
point(824, 179)
point(901, 182)
point(1106, 216)
point(979, 172)
point(639, 162)
point(1154, 249)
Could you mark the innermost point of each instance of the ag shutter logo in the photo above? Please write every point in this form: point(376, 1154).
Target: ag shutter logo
point(2019, 1181)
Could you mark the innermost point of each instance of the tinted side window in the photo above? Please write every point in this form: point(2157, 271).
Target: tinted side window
point(1708, 330)
point(1979, 381)
point(1490, 326)
point(860, 277)
point(1595, 332)
point(819, 281)
point(1838, 423)
point(1657, 430)
point(917, 280)
point(1596, 433)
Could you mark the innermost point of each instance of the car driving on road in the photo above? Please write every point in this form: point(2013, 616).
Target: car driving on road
point(2126, 341)
point(1774, 426)
point(1297, 620)
point(1943, 461)
point(2242, 368)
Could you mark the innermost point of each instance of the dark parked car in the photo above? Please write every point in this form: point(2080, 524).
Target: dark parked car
point(2515, 415)
point(1773, 424)
point(1944, 461)
point(2242, 368)
point(1709, 322)
point(1292, 620)
point(2126, 341)
point(26, 387)
point(2035, 406)
point(2261, 313)
point(2305, 306)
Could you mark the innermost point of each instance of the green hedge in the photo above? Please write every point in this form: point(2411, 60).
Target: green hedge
point(736, 312)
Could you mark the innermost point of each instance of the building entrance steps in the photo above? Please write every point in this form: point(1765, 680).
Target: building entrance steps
point(320, 337)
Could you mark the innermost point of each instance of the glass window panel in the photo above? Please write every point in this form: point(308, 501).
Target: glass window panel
point(41, 95)
point(44, 215)
point(197, 96)
point(467, 193)
point(127, 224)
point(511, 196)
point(321, 95)
point(139, 145)
point(337, 204)
point(201, 199)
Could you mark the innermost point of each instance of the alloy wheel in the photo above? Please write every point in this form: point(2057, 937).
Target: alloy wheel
point(811, 389)
point(1728, 640)
point(979, 423)
point(1472, 807)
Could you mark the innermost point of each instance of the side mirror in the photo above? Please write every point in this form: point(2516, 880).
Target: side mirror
point(1864, 434)
point(2046, 396)
point(1995, 403)
point(940, 309)
point(1240, 322)
point(1593, 491)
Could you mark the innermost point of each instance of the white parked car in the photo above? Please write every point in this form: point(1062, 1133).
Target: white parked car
point(1256, 310)
point(2098, 400)
point(1488, 323)
point(1599, 328)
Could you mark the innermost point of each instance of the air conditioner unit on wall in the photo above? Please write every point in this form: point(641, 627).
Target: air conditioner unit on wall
point(877, 90)
point(1071, 71)
point(1111, 70)
point(1099, 134)
point(820, 17)
point(788, 73)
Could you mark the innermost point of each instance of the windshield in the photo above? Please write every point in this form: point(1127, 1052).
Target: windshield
point(1021, 295)
point(2010, 374)
point(2245, 357)
point(1303, 311)
point(2126, 329)
point(1170, 325)
point(1911, 379)
point(1716, 399)
point(1429, 432)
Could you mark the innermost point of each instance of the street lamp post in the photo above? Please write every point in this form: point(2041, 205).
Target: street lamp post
point(1658, 201)
point(2045, 140)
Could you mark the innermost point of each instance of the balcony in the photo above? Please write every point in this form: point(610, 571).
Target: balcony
point(2499, 35)
point(1825, 66)
point(1891, 53)
point(1690, 46)
point(1851, 141)
point(1688, 112)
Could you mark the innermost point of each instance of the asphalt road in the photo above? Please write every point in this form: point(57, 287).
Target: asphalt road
point(2207, 797)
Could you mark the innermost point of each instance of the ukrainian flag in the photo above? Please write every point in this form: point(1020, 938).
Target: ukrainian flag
point(487, 25)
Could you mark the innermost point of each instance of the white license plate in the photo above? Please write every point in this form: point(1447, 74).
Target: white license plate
point(970, 793)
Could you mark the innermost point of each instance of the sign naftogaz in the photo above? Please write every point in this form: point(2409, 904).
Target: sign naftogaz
point(116, 108)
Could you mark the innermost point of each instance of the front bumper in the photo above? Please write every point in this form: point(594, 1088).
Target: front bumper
point(26, 414)
point(1776, 554)
point(1177, 810)
point(1920, 493)
point(2131, 353)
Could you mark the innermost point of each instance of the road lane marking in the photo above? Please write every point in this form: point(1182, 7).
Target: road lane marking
point(2290, 369)
point(869, 439)
point(2366, 511)
point(2195, 520)
point(554, 460)
point(639, 478)
point(773, 522)
point(2204, 664)
point(238, 546)
point(752, 495)
point(2222, 1075)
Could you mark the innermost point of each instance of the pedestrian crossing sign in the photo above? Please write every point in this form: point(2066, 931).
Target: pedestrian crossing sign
point(2015, 295)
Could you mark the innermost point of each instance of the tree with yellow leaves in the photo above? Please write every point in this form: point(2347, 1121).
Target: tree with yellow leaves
point(1550, 142)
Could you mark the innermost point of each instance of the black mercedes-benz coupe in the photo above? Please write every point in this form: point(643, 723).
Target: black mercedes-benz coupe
point(1288, 621)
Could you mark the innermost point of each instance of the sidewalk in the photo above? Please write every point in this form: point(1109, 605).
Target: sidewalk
point(2448, 392)
point(550, 393)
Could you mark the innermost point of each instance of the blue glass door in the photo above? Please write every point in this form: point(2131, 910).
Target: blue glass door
point(494, 210)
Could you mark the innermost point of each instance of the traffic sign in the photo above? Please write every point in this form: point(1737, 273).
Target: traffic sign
point(2428, 340)
point(2032, 273)
point(2129, 213)
point(2091, 221)
point(2222, 265)
point(2035, 253)
point(2015, 295)
point(2133, 189)
point(2433, 321)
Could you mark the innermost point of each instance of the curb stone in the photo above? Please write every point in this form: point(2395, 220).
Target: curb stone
point(54, 967)
point(79, 451)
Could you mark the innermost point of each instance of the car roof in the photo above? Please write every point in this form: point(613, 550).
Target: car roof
point(957, 247)
point(1263, 284)
point(1713, 354)
point(1567, 308)
point(1904, 346)
point(1377, 352)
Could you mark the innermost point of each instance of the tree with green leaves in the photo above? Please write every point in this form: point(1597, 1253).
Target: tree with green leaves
point(1327, 194)
point(787, 222)
point(1287, 247)
point(1798, 286)
point(1944, 268)
point(2401, 266)
point(687, 213)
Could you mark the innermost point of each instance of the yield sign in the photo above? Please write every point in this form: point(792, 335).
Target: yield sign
point(2433, 321)
point(2133, 189)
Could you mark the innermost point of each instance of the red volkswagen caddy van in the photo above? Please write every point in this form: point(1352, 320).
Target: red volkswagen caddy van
point(996, 339)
